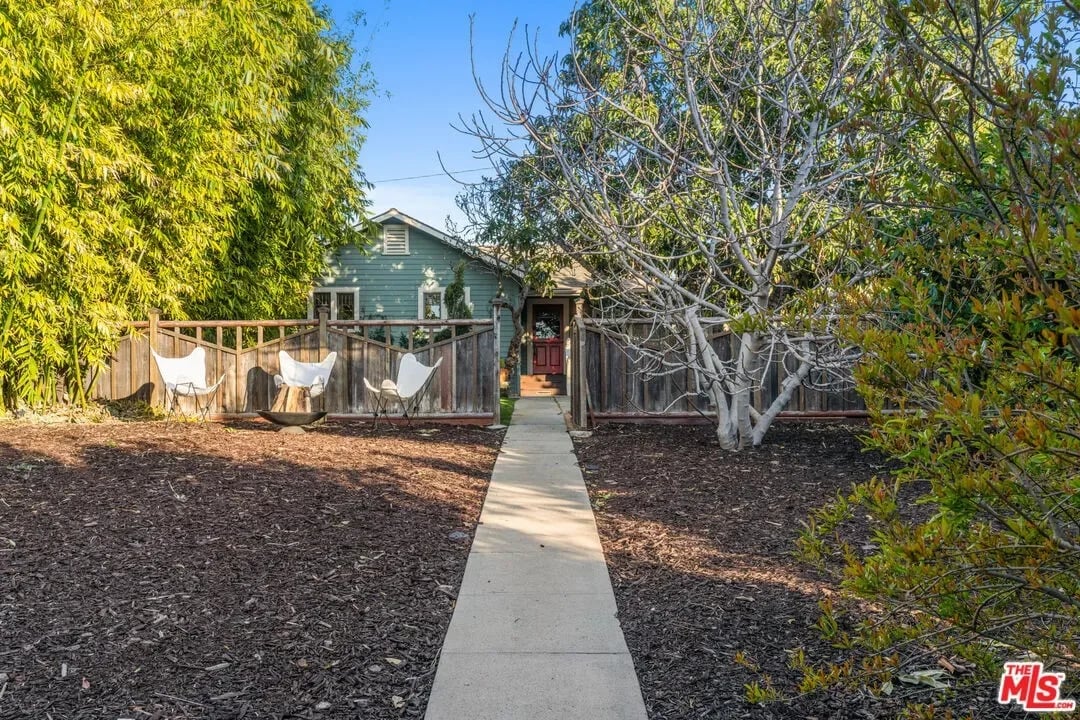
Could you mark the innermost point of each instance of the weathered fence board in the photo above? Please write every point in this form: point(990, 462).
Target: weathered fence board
point(246, 353)
point(615, 387)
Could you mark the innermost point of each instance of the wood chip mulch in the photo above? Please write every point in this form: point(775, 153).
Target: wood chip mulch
point(699, 545)
point(187, 571)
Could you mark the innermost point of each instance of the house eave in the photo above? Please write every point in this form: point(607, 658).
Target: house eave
point(454, 242)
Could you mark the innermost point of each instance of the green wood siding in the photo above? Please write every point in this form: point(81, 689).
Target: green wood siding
point(389, 284)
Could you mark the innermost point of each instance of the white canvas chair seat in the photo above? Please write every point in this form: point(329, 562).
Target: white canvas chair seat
point(313, 376)
point(186, 377)
point(412, 382)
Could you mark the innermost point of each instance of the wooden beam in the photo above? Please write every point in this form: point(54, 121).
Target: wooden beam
point(155, 372)
point(238, 372)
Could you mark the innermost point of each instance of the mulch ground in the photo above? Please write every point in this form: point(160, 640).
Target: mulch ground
point(699, 545)
point(154, 570)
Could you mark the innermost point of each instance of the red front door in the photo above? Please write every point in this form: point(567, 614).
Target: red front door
point(547, 339)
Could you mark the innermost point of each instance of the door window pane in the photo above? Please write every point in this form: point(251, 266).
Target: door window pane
point(547, 324)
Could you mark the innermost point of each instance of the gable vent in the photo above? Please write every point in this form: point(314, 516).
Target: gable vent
point(395, 240)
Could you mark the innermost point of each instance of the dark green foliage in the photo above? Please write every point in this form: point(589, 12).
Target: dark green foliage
point(456, 307)
point(510, 221)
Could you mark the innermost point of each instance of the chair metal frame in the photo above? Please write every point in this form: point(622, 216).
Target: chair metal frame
point(186, 377)
point(407, 391)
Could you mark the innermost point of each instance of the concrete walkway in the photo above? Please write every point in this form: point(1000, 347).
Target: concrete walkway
point(534, 634)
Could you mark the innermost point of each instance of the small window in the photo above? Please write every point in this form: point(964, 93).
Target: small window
point(395, 240)
point(346, 306)
point(432, 305)
point(321, 298)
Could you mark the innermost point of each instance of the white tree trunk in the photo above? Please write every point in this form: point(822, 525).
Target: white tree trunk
point(787, 390)
point(738, 422)
point(712, 367)
point(746, 377)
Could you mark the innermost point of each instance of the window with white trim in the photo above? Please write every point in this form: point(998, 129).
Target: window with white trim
point(342, 301)
point(431, 302)
point(395, 240)
point(344, 305)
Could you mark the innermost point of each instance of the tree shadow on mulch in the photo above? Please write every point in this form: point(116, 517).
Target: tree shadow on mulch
point(700, 544)
point(169, 571)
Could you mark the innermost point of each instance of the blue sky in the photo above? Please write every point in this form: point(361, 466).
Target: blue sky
point(420, 58)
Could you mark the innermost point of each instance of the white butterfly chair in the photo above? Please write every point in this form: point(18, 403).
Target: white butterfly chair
point(186, 377)
point(412, 382)
point(313, 376)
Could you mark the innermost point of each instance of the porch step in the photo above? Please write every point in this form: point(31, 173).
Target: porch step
point(544, 380)
point(543, 385)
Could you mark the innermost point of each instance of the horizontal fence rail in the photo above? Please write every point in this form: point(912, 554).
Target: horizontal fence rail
point(246, 353)
point(609, 385)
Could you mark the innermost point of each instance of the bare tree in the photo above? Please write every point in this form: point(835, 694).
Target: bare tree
point(711, 158)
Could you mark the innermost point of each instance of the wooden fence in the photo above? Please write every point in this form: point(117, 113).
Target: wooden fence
point(607, 384)
point(246, 353)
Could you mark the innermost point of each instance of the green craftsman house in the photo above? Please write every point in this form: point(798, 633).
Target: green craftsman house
point(404, 277)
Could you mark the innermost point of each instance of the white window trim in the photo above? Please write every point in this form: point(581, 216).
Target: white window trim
point(432, 288)
point(403, 227)
point(334, 290)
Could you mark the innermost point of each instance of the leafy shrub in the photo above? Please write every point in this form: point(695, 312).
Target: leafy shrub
point(972, 372)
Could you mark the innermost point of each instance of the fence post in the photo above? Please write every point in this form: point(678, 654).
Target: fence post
point(324, 317)
point(496, 306)
point(388, 331)
point(572, 371)
point(155, 373)
point(581, 382)
point(239, 381)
